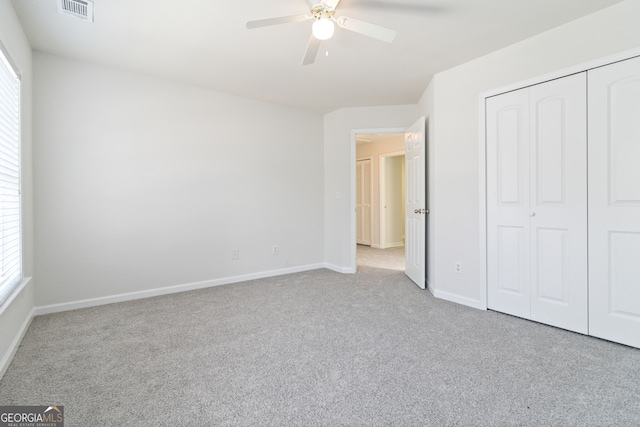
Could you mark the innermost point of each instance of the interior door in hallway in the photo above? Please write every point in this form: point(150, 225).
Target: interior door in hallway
point(415, 210)
point(363, 202)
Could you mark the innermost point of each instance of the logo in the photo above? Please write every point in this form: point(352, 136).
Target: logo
point(31, 416)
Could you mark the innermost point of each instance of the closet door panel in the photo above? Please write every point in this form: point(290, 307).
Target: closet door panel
point(614, 202)
point(558, 211)
point(508, 202)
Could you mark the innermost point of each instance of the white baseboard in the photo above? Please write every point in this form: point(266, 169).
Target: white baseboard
point(74, 305)
point(430, 288)
point(391, 245)
point(395, 245)
point(343, 270)
point(459, 299)
point(8, 356)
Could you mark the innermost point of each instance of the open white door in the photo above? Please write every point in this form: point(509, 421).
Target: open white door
point(415, 211)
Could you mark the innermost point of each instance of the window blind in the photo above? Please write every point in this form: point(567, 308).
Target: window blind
point(10, 227)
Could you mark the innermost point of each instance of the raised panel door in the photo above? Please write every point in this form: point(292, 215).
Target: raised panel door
point(508, 241)
point(558, 208)
point(415, 207)
point(614, 202)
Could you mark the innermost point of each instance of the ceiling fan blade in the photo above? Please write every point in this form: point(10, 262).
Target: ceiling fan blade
point(367, 29)
point(312, 51)
point(331, 3)
point(276, 21)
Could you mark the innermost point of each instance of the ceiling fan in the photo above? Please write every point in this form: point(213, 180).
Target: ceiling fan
point(323, 11)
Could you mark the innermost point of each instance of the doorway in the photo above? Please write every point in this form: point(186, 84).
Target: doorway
point(418, 219)
point(380, 162)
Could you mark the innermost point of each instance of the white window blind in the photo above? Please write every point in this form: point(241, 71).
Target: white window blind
point(10, 227)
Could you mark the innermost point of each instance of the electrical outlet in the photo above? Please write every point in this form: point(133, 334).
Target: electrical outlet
point(275, 250)
point(235, 253)
point(458, 267)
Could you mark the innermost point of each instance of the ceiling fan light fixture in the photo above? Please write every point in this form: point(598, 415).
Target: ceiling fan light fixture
point(323, 29)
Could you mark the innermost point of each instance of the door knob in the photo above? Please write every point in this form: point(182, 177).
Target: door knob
point(532, 214)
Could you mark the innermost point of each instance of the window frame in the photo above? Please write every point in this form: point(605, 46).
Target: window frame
point(13, 285)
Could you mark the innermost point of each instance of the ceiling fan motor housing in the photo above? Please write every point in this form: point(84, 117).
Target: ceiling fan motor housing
point(322, 11)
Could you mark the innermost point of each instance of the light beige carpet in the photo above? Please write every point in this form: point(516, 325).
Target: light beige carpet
point(318, 349)
point(390, 259)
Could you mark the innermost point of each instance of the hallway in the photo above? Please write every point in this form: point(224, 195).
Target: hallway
point(388, 259)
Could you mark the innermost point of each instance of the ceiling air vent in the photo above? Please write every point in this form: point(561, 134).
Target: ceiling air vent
point(82, 9)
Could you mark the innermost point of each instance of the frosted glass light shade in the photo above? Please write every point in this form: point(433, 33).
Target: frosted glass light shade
point(323, 29)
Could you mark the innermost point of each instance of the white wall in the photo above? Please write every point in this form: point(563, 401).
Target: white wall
point(455, 138)
point(339, 175)
point(144, 184)
point(16, 316)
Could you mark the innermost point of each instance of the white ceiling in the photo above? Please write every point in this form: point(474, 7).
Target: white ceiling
point(205, 43)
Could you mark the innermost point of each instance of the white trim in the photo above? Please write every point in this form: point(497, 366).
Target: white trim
point(12, 248)
point(389, 246)
point(130, 296)
point(482, 144)
point(430, 289)
point(586, 66)
point(352, 226)
point(458, 299)
point(13, 348)
point(394, 245)
point(14, 293)
point(12, 65)
point(482, 203)
point(337, 269)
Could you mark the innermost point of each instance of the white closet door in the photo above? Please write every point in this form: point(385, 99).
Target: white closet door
point(614, 202)
point(537, 203)
point(508, 242)
point(558, 203)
